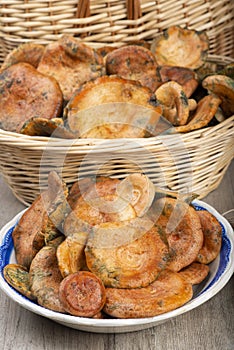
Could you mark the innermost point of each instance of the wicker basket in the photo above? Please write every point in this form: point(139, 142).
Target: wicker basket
point(194, 161)
point(114, 22)
point(191, 162)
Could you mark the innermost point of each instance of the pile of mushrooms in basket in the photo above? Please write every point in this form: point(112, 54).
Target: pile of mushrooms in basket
point(61, 88)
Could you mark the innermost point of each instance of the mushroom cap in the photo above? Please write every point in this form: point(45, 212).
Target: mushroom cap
point(223, 87)
point(182, 47)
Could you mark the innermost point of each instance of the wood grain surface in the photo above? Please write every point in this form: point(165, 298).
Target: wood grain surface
point(208, 327)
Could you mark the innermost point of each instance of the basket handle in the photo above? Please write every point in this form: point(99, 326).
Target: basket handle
point(83, 9)
point(133, 9)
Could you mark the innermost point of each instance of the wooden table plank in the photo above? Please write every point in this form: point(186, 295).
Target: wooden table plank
point(208, 327)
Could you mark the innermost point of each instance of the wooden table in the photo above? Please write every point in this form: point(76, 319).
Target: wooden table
point(208, 327)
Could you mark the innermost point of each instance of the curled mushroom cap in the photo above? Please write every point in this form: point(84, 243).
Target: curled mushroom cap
point(46, 127)
point(138, 190)
point(110, 107)
point(181, 47)
point(181, 225)
point(223, 87)
point(169, 291)
point(71, 63)
point(195, 273)
point(127, 254)
point(70, 254)
point(98, 202)
point(171, 95)
point(134, 62)
point(26, 93)
point(45, 279)
point(26, 52)
point(17, 276)
point(186, 77)
point(205, 111)
point(212, 231)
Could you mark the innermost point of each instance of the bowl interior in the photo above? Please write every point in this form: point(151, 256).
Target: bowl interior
point(221, 270)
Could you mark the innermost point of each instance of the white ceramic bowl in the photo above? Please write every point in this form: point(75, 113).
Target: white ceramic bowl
point(221, 270)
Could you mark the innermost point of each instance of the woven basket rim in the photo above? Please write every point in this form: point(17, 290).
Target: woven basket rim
point(26, 141)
